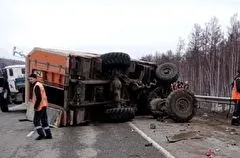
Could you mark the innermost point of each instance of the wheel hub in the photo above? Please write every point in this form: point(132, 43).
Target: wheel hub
point(166, 71)
point(182, 105)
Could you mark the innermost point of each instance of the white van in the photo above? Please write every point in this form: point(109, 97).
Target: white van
point(14, 74)
point(12, 88)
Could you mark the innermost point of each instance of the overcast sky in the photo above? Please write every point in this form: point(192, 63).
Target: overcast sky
point(137, 27)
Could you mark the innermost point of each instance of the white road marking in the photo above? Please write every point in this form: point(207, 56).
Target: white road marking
point(155, 144)
point(30, 133)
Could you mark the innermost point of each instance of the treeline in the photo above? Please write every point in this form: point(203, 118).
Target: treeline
point(210, 59)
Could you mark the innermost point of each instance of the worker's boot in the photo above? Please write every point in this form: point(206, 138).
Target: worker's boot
point(40, 133)
point(39, 137)
point(48, 137)
point(48, 133)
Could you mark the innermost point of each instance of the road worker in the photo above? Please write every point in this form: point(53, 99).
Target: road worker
point(39, 99)
point(236, 99)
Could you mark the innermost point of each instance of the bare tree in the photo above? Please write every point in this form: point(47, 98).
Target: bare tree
point(209, 61)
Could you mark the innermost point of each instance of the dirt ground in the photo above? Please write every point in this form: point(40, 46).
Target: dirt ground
point(204, 132)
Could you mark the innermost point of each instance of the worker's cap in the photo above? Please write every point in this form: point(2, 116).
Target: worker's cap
point(33, 75)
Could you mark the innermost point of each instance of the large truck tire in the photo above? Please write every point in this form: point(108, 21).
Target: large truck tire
point(116, 60)
point(4, 105)
point(120, 114)
point(167, 72)
point(181, 105)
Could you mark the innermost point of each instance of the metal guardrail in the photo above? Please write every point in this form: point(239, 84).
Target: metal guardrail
point(214, 99)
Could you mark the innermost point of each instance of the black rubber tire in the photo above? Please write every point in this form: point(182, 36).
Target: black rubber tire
point(116, 60)
point(193, 98)
point(120, 114)
point(167, 72)
point(4, 105)
point(181, 105)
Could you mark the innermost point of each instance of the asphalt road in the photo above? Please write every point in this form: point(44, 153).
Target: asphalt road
point(95, 140)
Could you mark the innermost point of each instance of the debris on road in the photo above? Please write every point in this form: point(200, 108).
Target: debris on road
point(210, 153)
point(165, 119)
point(193, 139)
point(227, 129)
point(232, 131)
point(205, 115)
point(135, 155)
point(23, 120)
point(183, 136)
point(148, 144)
point(152, 126)
point(233, 144)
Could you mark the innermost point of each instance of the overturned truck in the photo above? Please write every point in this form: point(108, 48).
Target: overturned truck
point(109, 87)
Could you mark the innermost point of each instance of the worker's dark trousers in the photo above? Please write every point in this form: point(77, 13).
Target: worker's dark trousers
point(40, 122)
point(236, 113)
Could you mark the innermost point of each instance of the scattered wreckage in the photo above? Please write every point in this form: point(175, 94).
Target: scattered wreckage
point(111, 86)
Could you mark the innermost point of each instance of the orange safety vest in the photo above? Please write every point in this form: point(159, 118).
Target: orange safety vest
point(235, 93)
point(44, 102)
